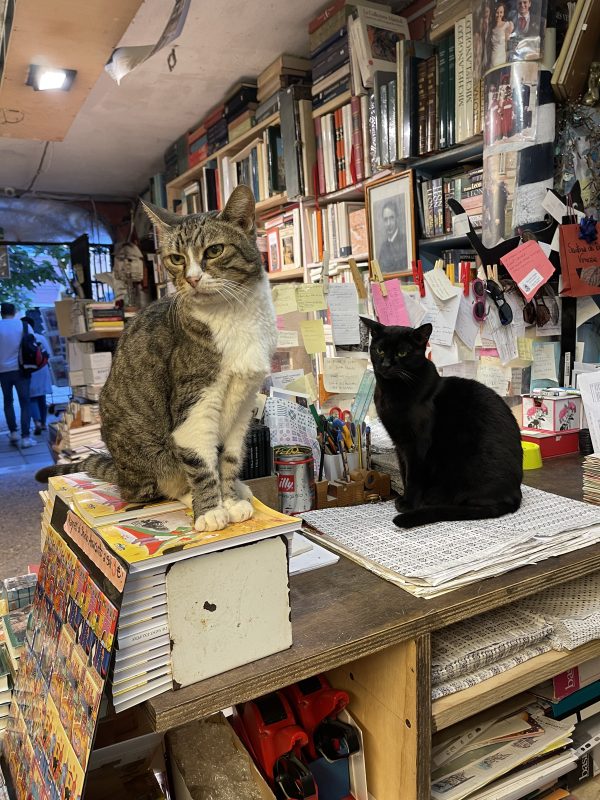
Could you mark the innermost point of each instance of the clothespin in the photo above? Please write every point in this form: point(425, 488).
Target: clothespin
point(377, 274)
point(325, 272)
point(450, 273)
point(492, 272)
point(465, 277)
point(357, 278)
point(417, 270)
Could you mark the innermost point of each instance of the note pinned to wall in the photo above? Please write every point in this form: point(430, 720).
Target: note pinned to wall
point(525, 347)
point(305, 384)
point(529, 267)
point(284, 298)
point(343, 375)
point(287, 339)
point(544, 369)
point(493, 374)
point(313, 335)
point(281, 379)
point(444, 356)
point(442, 314)
point(342, 299)
point(310, 297)
point(390, 310)
point(467, 326)
point(439, 283)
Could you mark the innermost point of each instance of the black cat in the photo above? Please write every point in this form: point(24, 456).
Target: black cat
point(458, 443)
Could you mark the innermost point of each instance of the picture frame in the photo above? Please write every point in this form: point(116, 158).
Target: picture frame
point(391, 223)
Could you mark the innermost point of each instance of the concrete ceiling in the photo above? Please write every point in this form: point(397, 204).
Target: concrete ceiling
point(119, 135)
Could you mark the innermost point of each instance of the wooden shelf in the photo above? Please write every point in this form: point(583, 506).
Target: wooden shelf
point(93, 336)
point(446, 240)
point(271, 202)
point(334, 262)
point(448, 710)
point(354, 192)
point(452, 157)
point(286, 275)
point(231, 147)
point(336, 102)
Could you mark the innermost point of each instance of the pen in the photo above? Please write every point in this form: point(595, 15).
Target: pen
point(368, 447)
point(346, 473)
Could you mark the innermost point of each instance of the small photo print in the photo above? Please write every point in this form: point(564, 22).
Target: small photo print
point(507, 31)
point(499, 179)
point(510, 96)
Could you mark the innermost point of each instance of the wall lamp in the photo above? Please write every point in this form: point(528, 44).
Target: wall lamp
point(45, 78)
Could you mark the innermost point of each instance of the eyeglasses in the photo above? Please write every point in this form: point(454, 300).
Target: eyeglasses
point(536, 312)
point(479, 312)
point(497, 295)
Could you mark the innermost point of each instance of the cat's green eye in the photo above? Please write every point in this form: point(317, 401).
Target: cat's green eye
point(214, 250)
point(177, 259)
point(401, 353)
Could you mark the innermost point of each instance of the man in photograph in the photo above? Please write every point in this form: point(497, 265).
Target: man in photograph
point(392, 251)
point(525, 23)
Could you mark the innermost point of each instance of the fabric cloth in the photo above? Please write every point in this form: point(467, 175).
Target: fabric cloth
point(11, 332)
point(14, 380)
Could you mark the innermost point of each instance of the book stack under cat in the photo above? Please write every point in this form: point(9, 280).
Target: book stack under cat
point(165, 635)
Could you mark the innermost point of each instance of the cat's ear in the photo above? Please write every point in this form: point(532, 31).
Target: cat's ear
point(160, 216)
point(421, 335)
point(240, 209)
point(375, 327)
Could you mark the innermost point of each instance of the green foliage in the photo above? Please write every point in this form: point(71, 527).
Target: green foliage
point(29, 268)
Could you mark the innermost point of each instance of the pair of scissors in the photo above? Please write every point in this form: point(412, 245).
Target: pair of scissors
point(345, 415)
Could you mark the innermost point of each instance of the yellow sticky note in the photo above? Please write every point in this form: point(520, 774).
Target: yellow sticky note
point(525, 347)
point(310, 297)
point(284, 298)
point(306, 384)
point(313, 335)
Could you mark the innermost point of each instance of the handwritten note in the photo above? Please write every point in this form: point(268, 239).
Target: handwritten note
point(586, 309)
point(416, 311)
point(461, 370)
point(467, 327)
point(342, 299)
point(313, 335)
point(286, 339)
point(442, 315)
point(390, 310)
point(343, 375)
point(281, 379)
point(284, 298)
point(525, 348)
point(504, 337)
point(439, 283)
point(444, 356)
point(310, 297)
point(529, 267)
point(545, 362)
point(493, 374)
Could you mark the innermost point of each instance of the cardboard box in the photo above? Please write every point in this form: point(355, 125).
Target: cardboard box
point(233, 749)
point(69, 317)
point(91, 361)
point(552, 413)
point(553, 444)
point(96, 376)
point(76, 377)
point(228, 608)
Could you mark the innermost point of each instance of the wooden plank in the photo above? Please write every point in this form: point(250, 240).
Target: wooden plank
point(44, 28)
point(423, 679)
point(384, 700)
point(448, 710)
point(289, 275)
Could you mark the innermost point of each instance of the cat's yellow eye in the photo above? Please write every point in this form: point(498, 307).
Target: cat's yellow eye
point(401, 353)
point(214, 250)
point(379, 351)
point(177, 259)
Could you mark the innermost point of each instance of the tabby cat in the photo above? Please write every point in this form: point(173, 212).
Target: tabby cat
point(458, 443)
point(177, 403)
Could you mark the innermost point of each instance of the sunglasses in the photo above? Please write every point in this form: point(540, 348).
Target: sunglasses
point(497, 295)
point(536, 312)
point(479, 312)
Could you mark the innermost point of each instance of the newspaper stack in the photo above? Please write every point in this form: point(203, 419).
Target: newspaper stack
point(432, 559)
point(591, 479)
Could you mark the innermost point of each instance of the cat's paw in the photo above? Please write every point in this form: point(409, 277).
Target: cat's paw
point(214, 520)
point(400, 521)
point(243, 491)
point(186, 499)
point(239, 510)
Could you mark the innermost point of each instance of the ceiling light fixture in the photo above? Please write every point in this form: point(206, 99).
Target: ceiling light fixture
point(46, 78)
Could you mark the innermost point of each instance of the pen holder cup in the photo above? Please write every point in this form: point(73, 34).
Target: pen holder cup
point(333, 469)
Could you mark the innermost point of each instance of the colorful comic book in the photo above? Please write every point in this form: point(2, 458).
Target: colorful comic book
point(103, 505)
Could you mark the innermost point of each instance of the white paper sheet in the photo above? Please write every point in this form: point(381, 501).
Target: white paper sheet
point(342, 299)
point(589, 385)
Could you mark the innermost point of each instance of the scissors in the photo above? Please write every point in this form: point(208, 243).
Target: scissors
point(345, 415)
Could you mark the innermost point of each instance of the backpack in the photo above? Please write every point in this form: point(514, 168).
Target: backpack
point(32, 356)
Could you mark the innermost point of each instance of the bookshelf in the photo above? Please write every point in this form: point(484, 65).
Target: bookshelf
point(450, 157)
point(286, 275)
point(445, 241)
point(93, 336)
point(331, 105)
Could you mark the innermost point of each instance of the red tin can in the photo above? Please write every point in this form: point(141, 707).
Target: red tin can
point(294, 465)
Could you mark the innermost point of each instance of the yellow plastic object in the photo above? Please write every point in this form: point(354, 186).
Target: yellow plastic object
point(532, 456)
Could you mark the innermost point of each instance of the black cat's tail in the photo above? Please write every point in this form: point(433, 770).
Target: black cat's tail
point(98, 465)
point(429, 514)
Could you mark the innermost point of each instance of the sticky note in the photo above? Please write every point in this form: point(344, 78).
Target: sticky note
point(525, 347)
point(306, 385)
point(287, 339)
point(343, 375)
point(313, 335)
point(390, 310)
point(529, 267)
point(284, 298)
point(310, 297)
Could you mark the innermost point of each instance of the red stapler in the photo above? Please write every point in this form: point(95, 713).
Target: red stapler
point(269, 730)
point(316, 705)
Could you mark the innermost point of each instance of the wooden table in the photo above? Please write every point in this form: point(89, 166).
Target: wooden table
point(373, 639)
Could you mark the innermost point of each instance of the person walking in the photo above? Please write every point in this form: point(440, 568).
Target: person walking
point(40, 384)
point(11, 333)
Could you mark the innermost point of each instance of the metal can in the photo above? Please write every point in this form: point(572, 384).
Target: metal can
point(295, 468)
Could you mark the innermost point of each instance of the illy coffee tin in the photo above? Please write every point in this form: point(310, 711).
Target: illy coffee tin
point(294, 465)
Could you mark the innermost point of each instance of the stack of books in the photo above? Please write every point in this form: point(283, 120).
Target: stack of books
point(465, 187)
point(176, 158)
point(340, 147)
point(329, 55)
point(17, 592)
point(6, 684)
point(104, 317)
point(14, 628)
point(197, 145)
point(591, 479)
point(285, 71)
point(216, 129)
point(240, 107)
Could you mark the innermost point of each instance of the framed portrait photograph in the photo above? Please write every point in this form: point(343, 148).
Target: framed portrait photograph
point(391, 223)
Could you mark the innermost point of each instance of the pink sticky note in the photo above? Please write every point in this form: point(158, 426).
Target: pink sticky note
point(529, 267)
point(390, 310)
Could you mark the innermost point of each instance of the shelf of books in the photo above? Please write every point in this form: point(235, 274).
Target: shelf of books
point(287, 275)
point(455, 707)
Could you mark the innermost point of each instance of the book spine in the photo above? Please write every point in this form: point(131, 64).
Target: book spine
point(451, 126)
point(400, 77)
point(350, 174)
point(460, 100)
point(320, 162)
point(431, 90)
point(443, 94)
point(357, 161)
point(438, 208)
point(383, 124)
point(392, 122)
point(372, 134)
point(339, 150)
point(422, 107)
point(448, 194)
point(469, 87)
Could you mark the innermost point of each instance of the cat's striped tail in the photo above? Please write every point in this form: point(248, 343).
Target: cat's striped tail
point(429, 514)
point(98, 465)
